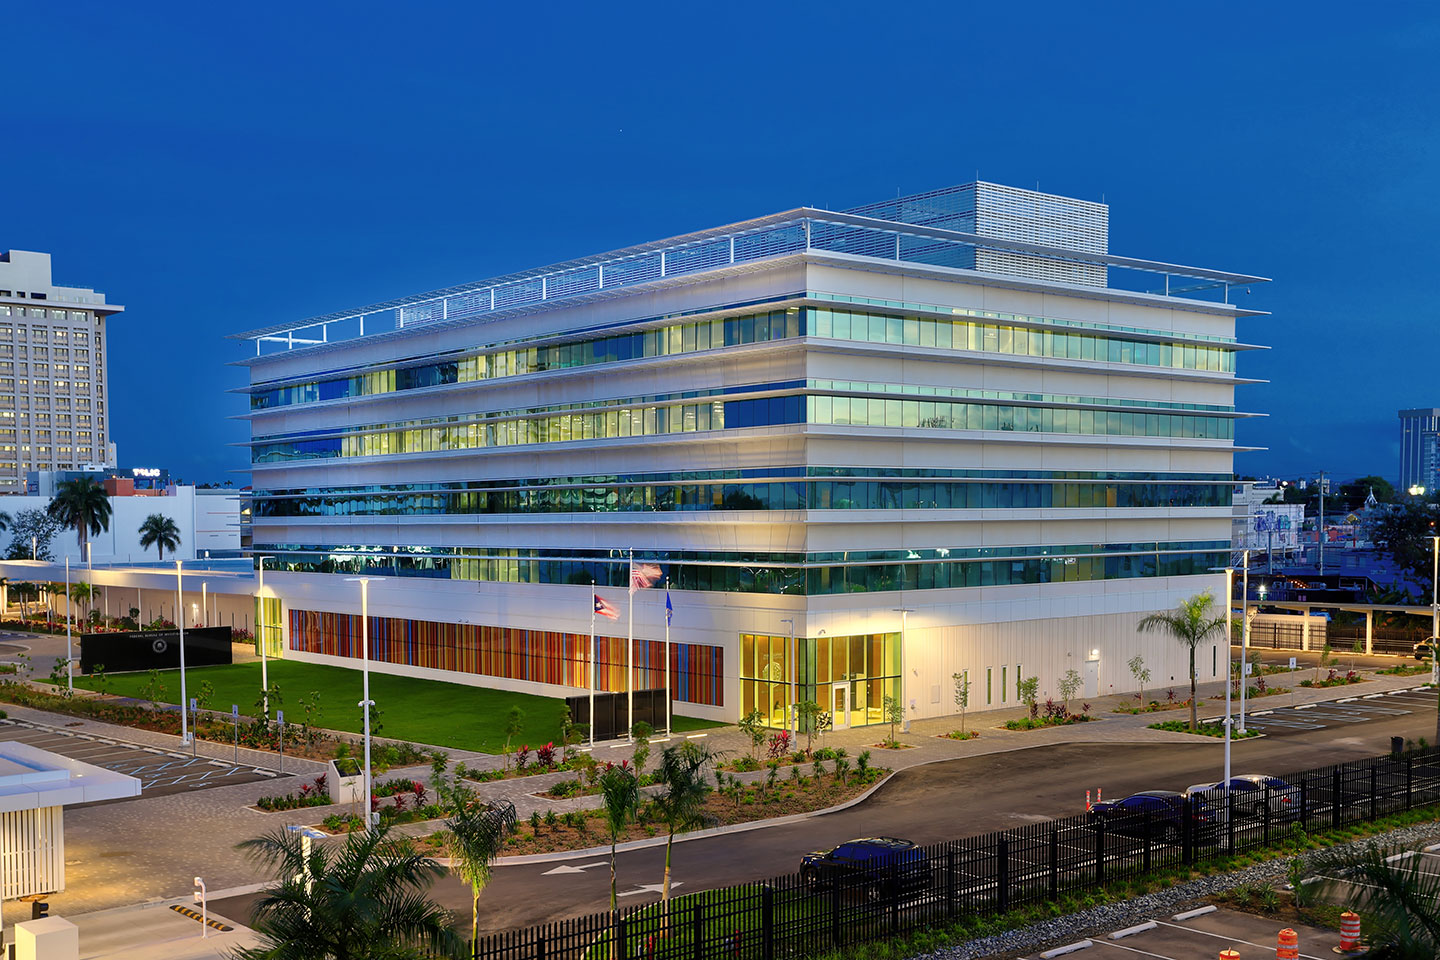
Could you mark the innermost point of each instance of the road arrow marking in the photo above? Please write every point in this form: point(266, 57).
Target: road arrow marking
point(565, 868)
point(649, 888)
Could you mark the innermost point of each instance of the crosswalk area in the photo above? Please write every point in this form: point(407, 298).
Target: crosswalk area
point(159, 771)
point(1337, 713)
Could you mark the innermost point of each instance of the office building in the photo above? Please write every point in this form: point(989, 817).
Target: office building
point(868, 450)
point(1420, 448)
point(53, 388)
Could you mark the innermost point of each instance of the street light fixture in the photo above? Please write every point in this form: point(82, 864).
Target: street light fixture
point(1244, 634)
point(260, 631)
point(180, 622)
point(373, 819)
point(69, 651)
point(1229, 605)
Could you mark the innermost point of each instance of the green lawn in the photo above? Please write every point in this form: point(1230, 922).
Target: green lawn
point(421, 711)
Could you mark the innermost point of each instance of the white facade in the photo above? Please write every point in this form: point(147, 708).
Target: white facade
point(206, 523)
point(810, 422)
point(54, 412)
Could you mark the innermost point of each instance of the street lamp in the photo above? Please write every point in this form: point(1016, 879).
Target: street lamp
point(69, 655)
point(1435, 624)
point(180, 622)
point(366, 703)
point(790, 654)
point(904, 705)
point(1229, 601)
point(1244, 633)
point(260, 631)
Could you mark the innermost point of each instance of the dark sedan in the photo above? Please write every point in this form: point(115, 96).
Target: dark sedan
point(1156, 813)
point(880, 866)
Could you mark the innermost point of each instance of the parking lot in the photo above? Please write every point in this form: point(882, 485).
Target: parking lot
point(1186, 936)
point(1280, 720)
point(160, 771)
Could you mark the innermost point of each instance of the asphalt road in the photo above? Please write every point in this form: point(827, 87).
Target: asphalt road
point(927, 804)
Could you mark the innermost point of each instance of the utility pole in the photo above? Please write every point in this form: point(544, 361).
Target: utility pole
point(1322, 523)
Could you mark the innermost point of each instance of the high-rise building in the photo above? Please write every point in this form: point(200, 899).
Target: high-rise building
point(867, 450)
point(1420, 448)
point(53, 389)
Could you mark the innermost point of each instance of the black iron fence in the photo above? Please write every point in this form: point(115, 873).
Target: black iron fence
point(805, 914)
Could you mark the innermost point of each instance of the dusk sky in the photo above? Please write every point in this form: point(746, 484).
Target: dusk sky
point(217, 168)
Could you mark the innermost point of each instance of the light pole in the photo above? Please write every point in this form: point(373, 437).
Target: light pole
point(90, 568)
point(1435, 624)
point(794, 671)
point(1244, 633)
point(204, 604)
point(904, 704)
point(366, 703)
point(180, 622)
point(260, 632)
point(1229, 603)
point(69, 655)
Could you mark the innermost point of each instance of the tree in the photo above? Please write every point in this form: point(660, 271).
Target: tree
point(809, 713)
point(514, 723)
point(81, 503)
point(1383, 489)
point(31, 526)
point(962, 694)
point(1191, 624)
point(1404, 535)
point(681, 806)
point(160, 532)
point(1029, 691)
point(478, 833)
point(80, 592)
point(894, 712)
point(753, 726)
point(1397, 896)
point(367, 899)
point(1068, 684)
point(1141, 673)
point(620, 802)
point(26, 593)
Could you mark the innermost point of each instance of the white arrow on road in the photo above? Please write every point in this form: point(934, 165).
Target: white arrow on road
point(649, 888)
point(563, 868)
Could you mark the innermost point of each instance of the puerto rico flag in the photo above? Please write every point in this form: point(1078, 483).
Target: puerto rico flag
point(606, 609)
point(643, 575)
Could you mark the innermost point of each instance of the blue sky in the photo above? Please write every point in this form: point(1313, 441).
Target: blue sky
point(217, 168)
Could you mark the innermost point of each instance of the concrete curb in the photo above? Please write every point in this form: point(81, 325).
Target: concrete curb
point(562, 855)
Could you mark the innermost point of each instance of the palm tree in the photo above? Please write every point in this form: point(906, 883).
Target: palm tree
point(1191, 623)
point(160, 531)
point(477, 834)
point(682, 805)
point(25, 592)
point(364, 900)
point(1398, 898)
point(81, 503)
point(620, 796)
point(81, 592)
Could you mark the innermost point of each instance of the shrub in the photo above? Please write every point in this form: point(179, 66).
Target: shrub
point(545, 756)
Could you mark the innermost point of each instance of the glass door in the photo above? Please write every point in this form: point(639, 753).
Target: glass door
point(840, 715)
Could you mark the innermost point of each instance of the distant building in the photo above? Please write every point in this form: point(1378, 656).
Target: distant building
point(1265, 528)
point(53, 389)
point(1420, 448)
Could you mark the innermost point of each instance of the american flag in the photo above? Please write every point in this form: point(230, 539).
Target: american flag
point(643, 575)
point(606, 609)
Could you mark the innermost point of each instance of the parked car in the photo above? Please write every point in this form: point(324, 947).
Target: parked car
point(1425, 649)
point(880, 866)
point(1160, 813)
point(1249, 790)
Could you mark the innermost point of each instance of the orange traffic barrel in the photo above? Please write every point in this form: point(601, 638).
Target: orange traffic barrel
point(1288, 947)
point(1229, 955)
point(1349, 932)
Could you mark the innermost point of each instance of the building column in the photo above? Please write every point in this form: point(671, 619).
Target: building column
point(1369, 632)
point(1305, 629)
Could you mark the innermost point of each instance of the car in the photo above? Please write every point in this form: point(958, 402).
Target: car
point(1156, 813)
point(1249, 790)
point(1425, 649)
point(882, 867)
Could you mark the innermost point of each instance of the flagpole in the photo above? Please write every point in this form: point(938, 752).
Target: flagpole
point(592, 663)
point(630, 655)
point(669, 725)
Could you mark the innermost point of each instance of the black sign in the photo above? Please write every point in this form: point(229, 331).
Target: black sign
point(154, 649)
point(613, 709)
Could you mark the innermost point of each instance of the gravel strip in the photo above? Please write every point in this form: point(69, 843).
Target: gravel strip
point(1099, 921)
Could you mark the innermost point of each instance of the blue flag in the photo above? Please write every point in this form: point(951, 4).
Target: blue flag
point(669, 610)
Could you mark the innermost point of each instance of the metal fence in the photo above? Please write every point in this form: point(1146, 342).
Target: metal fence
point(796, 916)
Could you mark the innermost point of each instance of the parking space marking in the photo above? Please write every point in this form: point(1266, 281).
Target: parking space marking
point(1221, 936)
